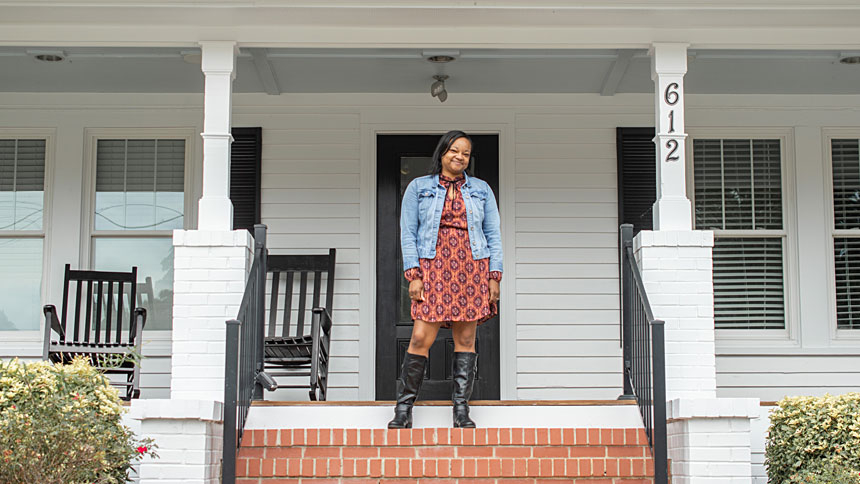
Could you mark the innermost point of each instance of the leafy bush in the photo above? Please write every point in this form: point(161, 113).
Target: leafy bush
point(815, 440)
point(826, 472)
point(61, 424)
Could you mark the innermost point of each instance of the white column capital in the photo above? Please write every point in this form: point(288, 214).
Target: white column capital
point(219, 56)
point(668, 58)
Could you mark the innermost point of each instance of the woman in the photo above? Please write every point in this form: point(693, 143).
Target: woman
point(452, 255)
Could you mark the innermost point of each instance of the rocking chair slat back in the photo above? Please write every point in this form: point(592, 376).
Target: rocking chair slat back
point(303, 350)
point(104, 317)
point(108, 320)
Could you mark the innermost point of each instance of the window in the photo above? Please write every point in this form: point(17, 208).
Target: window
point(738, 195)
point(22, 204)
point(139, 200)
point(845, 157)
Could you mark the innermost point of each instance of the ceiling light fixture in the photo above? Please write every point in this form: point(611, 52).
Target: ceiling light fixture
point(437, 89)
point(441, 59)
point(48, 55)
point(440, 56)
point(849, 57)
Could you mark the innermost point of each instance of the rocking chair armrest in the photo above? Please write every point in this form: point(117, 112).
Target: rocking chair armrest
point(51, 319)
point(325, 318)
point(139, 318)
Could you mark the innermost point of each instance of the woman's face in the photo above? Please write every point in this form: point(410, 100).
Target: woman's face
point(456, 159)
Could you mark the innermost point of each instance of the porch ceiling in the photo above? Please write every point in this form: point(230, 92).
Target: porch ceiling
point(163, 70)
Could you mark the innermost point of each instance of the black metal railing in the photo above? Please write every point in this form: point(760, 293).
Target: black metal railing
point(644, 355)
point(243, 368)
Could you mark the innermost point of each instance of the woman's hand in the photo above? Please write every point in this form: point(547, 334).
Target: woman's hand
point(416, 290)
point(495, 291)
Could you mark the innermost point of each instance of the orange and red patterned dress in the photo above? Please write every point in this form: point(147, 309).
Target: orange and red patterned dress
point(456, 287)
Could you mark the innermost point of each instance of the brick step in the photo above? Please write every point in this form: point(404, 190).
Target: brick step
point(442, 455)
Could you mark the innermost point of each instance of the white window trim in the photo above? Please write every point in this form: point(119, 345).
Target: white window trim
point(748, 339)
point(11, 343)
point(161, 338)
point(838, 337)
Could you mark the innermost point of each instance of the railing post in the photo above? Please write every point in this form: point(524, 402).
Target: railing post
point(259, 314)
point(231, 377)
point(659, 439)
point(626, 310)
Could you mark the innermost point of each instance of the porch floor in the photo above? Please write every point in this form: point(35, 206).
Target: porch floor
point(437, 414)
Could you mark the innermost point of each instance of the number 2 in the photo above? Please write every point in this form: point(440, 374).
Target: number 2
point(673, 147)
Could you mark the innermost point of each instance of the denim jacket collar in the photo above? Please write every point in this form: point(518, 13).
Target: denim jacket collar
point(436, 180)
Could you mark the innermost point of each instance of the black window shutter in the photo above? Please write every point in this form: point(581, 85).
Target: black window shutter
point(245, 163)
point(637, 177)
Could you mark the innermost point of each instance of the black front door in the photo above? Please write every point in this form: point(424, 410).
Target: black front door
point(400, 159)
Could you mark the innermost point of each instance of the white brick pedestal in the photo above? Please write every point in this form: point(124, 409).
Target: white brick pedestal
point(708, 437)
point(677, 271)
point(210, 272)
point(189, 437)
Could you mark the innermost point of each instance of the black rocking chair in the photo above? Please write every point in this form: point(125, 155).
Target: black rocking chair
point(302, 351)
point(104, 326)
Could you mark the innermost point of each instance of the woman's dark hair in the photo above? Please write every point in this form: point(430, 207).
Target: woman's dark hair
point(443, 146)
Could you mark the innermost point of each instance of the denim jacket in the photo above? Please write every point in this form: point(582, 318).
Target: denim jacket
point(421, 214)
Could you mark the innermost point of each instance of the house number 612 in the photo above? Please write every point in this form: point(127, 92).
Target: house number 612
point(672, 97)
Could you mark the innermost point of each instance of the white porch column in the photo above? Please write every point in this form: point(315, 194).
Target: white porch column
point(210, 270)
point(668, 66)
point(219, 68)
point(708, 437)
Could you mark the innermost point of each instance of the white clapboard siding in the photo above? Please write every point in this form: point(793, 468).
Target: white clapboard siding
point(310, 202)
point(772, 377)
point(566, 257)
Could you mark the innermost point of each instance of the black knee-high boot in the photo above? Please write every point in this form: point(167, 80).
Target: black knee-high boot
point(465, 367)
point(411, 376)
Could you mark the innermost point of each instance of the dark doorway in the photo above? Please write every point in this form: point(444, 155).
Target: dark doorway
point(400, 159)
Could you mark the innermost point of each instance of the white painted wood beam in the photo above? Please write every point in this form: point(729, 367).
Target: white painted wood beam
point(265, 71)
point(616, 74)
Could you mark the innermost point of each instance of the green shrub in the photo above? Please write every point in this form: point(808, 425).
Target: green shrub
point(825, 472)
point(814, 440)
point(61, 424)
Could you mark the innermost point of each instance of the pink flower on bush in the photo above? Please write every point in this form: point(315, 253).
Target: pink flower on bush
point(142, 449)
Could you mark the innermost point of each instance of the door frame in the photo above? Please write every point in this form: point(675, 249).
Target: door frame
point(367, 244)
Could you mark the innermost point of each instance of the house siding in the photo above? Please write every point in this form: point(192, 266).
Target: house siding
point(311, 201)
point(567, 252)
point(559, 170)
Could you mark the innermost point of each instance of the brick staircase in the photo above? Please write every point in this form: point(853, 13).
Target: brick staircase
point(445, 456)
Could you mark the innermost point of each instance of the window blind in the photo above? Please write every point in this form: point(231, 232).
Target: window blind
point(22, 183)
point(140, 165)
point(140, 184)
point(748, 283)
point(738, 184)
point(846, 183)
point(845, 154)
point(847, 257)
point(738, 187)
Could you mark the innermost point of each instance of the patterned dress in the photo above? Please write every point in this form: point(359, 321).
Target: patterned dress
point(456, 287)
